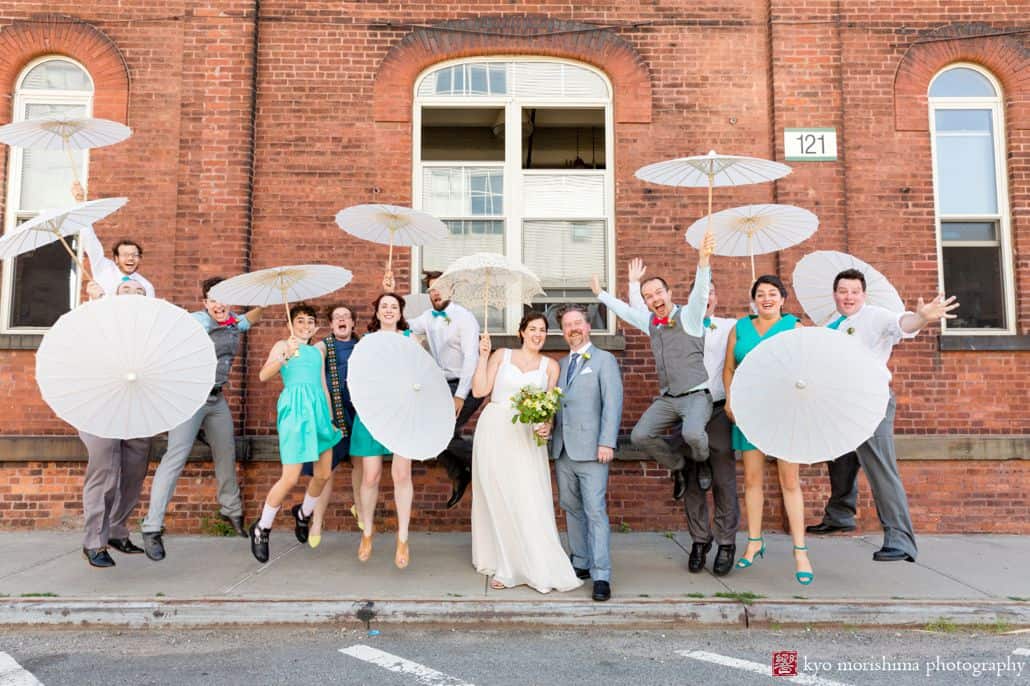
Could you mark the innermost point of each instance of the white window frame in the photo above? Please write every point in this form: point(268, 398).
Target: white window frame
point(1002, 217)
point(513, 172)
point(22, 99)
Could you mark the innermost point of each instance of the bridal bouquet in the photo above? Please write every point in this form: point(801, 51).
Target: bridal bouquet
point(535, 406)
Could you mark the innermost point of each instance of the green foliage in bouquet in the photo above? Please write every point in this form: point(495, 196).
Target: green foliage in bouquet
point(535, 406)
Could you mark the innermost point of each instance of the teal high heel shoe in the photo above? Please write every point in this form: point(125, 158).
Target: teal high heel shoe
point(744, 563)
point(804, 578)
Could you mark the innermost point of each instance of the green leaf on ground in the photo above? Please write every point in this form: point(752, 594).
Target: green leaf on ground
point(695, 595)
point(216, 526)
point(45, 594)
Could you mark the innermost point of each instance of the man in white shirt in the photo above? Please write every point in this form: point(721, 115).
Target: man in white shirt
point(879, 330)
point(720, 450)
point(453, 336)
point(109, 273)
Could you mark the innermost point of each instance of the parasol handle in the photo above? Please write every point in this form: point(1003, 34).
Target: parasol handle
point(751, 252)
point(289, 321)
point(486, 303)
point(71, 163)
point(711, 182)
point(75, 258)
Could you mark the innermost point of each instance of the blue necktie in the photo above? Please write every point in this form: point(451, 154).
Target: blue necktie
point(836, 324)
point(571, 371)
point(439, 313)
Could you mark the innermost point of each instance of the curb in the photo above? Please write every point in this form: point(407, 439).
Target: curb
point(651, 613)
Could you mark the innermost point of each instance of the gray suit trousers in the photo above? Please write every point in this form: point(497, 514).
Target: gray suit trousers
point(876, 456)
point(691, 412)
point(582, 494)
point(724, 487)
point(114, 477)
point(216, 419)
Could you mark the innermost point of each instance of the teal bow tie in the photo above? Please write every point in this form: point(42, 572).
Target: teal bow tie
point(126, 278)
point(439, 313)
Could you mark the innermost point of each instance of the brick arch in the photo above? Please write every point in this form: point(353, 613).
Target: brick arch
point(1002, 55)
point(513, 35)
point(24, 41)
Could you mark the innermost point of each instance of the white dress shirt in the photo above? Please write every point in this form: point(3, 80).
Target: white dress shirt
point(877, 328)
point(453, 342)
point(105, 271)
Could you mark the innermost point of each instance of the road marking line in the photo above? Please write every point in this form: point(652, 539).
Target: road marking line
point(422, 674)
point(757, 668)
point(13, 674)
point(1021, 651)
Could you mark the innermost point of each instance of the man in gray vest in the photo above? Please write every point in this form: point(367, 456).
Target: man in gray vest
point(214, 417)
point(678, 346)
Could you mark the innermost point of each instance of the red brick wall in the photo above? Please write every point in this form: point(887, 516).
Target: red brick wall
point(945, 497)
point(331, 130)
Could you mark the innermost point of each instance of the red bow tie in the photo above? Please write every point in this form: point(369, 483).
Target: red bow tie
point(231, 321)
point(659, 321)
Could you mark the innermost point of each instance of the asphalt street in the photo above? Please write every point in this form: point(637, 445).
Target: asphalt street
point(443, 656)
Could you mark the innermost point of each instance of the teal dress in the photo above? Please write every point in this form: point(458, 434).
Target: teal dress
point(303, 421)
point(747, 338)
point(362, 443)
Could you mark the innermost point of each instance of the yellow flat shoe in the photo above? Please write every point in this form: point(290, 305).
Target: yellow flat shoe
point(313, 541)
point(365, 549)
point(354, 513)
point(402, 556)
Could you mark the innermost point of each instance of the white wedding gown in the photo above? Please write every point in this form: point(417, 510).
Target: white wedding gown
point(514, 535)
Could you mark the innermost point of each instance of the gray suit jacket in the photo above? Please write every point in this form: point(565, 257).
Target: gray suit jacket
point(591, 410)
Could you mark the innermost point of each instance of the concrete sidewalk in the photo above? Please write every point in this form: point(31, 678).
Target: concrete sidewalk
point(205, 581)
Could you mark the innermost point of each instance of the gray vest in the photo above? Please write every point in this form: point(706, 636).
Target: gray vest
point(226, 340)
point(678, 356)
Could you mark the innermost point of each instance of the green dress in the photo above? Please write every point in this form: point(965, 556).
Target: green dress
point(303, 421)
point(747, 338)
point(362, 443)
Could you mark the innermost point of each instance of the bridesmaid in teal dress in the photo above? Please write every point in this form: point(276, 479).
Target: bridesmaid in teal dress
point(387, 315)
point(304, 423)
point(768, 294)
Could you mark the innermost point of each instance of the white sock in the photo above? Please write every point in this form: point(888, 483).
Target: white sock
point(267, 516)
point(308, 506)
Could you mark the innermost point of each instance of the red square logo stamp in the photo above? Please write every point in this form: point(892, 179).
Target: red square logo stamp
point(785, 663)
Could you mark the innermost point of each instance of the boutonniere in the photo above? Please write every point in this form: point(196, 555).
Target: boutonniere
point(586, 357)
point(851, 330)
point(712, 326)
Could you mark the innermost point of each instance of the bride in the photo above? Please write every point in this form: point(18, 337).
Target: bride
point(514, 535)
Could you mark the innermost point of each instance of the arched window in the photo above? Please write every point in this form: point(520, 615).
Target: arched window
point(514, 154)
point(41, 286)
point(967, 127)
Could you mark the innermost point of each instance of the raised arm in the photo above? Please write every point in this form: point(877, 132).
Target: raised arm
point(927, 313)
point(486, 368)
point(693, 315)
point(253, 316)
point(636, 273)
point(623, 311)
point(277, 357)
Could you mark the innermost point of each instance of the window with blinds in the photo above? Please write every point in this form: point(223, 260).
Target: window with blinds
point(513, 157)
point(972, 213)
point(40, 286)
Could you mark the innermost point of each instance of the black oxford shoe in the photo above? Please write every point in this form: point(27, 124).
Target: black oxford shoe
point(698, 556)
point(602, 591)
point(825, 528)
point(724, 560)
point(460, 484)
point(98, 557)
point(581, 573)
point(679, 484)
point(704, 475)
point(236, 523)
point(124, 545)
point(153, 546)
point(892, 555)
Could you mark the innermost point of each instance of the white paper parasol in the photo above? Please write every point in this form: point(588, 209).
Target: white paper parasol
point(391, 225)
point(401, 395)
point(711, 170)
point(126, 367)
point(486, 277)
point(53, 225)
point(282, 285)
point(751, 230)
point(64, 134)
point(809, 395)
point(813, 284)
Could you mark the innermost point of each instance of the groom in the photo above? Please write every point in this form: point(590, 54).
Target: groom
point(583, 443)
